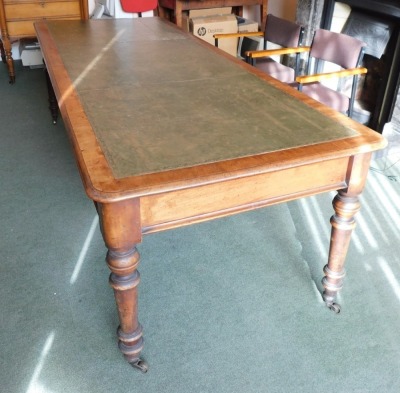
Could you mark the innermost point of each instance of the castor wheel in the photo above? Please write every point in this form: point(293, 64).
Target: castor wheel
point(141, 365)
point(334, 307)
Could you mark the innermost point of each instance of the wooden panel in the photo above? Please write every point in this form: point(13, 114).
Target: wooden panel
point(26, 28)
point(215, 200)
point(33, 11)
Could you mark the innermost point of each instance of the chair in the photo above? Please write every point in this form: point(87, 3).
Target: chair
point(139, 6)
point(247, 40)
point(110, 8)
point(289, 37)
point(346, 53)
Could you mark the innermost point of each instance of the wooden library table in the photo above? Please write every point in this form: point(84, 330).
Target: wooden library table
point(172, 9)
point(169, 131)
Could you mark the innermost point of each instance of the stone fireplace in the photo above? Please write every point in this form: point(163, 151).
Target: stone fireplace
point(378, 24)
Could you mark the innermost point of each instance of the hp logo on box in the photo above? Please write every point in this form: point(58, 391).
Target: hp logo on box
point(201, 31)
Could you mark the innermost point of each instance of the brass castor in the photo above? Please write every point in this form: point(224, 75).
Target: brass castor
point(334, 307)
point(141, 365)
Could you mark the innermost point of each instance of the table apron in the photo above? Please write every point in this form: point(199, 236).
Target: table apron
point(183, 207)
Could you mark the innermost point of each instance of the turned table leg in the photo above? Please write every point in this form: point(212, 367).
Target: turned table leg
point(121, 231)
point(2, 52)
point(125, 291)
point(343, 223)
point(346, 204)
point(6, 55)
point(53, 105)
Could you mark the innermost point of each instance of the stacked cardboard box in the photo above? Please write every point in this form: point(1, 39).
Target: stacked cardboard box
point(187, 15)
point(247, 25)
point(205, 23)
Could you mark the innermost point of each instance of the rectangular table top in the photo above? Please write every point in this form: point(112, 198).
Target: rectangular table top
point(157, 99)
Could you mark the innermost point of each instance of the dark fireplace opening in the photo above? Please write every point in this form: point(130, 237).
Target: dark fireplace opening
point(368, 89)
point(377, 24)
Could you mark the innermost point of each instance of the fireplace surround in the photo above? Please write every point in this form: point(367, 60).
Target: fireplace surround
point(378, 24)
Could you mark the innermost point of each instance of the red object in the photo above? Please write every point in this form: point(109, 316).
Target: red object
point(138, 6)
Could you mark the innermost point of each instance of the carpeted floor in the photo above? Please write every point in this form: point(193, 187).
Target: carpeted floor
point(227, 306)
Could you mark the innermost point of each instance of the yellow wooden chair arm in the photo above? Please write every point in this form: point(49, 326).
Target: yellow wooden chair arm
point(276, 52)
point(327, 75)
point(238, 35)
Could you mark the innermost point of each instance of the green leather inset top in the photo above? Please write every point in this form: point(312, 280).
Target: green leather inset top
point(157, 100)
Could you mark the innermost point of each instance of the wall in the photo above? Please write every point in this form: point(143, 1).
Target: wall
point(283, 8)
point(91, 6)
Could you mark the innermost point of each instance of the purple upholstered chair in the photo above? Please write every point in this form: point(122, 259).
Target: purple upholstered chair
point(289, 36)
point(341, 50)
point(286, 34)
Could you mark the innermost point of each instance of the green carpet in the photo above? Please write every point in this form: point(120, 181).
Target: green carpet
point(227, 306)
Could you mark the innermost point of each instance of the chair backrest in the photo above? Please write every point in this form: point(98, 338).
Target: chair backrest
point(138, 6)
point(340, 49)
point(337, 48)
point(282, 32)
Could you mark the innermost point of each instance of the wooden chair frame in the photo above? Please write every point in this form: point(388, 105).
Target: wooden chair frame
point(349, 72)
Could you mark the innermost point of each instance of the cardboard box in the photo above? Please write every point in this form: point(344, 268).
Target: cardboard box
point(206, 26)
point(187, 15)
point(247, 25)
